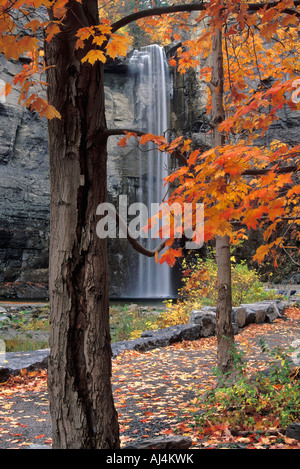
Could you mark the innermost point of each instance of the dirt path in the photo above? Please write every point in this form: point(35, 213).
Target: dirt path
point(154, 391)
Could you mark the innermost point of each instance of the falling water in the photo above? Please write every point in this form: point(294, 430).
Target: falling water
point(153, 97)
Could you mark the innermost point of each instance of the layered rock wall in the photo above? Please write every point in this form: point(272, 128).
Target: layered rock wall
point(24, 196)
point(24, 183)
point(25, 191)
point(24, 174)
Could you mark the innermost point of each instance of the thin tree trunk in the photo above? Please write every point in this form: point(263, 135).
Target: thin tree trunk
point(225, 334)
point(79, 375)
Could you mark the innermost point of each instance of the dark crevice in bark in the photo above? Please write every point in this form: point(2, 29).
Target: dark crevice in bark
point(78, 294)
point(77, 367)
point(76, 344)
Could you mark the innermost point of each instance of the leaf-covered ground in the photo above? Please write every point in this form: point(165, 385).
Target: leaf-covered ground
point(156, 393)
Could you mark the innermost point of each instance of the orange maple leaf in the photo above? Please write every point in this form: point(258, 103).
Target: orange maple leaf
point(93, 56)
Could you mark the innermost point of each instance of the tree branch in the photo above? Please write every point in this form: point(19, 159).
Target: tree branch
point(252, 8)
point(135, 243)
point(110, 132)
point(180, 157)
point(115, 132)
point(259, 172)
point(156, 12)
point(293, 260)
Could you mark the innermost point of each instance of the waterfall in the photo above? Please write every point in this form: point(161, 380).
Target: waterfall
point(152, 115)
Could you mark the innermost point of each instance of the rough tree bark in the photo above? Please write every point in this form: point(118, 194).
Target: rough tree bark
point(79, 376)
point(225, 334)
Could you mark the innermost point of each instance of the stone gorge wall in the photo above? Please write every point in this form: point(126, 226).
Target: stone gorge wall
point(24, 175)
point(24, 197)
point(24, 182)
point(126, 166)
point(24, 188)
point(123, 171)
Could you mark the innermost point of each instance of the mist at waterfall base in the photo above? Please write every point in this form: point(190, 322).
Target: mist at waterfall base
point(153, 90)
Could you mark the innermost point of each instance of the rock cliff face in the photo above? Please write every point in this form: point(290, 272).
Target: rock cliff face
point(123, 171)
point(24, 180)
point(24, 184)
point(24, 175)
point(24, 197)
point(24, 189)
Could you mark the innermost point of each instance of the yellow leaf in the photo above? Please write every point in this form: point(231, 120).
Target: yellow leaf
point(6, 89)
point(51, 31)
point(33, 25)
point(42, 106)
point(60, 8)
point(85, 33)
point(261, 252)
point(243, 440)
point(98, 40)
point(93, 55)
point(50, 112)
point(117, 46)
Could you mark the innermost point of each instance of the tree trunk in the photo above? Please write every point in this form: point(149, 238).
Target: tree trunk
point(79, 375)
point(225, 335)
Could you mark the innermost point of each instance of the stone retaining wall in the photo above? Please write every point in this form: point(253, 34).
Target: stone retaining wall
point(202, 323)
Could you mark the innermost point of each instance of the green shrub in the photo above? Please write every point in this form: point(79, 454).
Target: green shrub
point(200, 280)
point(267, 399)
point(18, 344)
point(129, 323)
point(200, 289)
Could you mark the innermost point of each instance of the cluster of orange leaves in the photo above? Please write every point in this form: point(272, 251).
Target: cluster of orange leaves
point(25, 381)
point(259, 47)
point(98, 43)
point(218, 179)
point(260, 50)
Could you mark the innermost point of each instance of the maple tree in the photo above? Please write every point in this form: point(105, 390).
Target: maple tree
point(77, 43)
point(242, 183)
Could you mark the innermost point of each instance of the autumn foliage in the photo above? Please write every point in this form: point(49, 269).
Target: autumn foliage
point(245, 183)
point(173, 386)
point(250, 182)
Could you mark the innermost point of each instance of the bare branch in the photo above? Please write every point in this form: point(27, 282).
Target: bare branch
point(292, 259)
point(156, 12)
point(135, 243)
point(115, 132)
point(259, 172)
point(252, 8)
